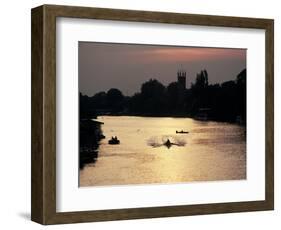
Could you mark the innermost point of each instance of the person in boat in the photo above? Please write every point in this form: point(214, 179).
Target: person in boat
point(168, 143)
point(182, 131)
point(114, 141)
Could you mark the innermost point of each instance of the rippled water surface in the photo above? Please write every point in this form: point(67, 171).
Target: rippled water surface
point(210, 151)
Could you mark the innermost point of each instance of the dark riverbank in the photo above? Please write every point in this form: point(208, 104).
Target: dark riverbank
point(90, 134)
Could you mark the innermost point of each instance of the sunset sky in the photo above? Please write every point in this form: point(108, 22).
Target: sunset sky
point(107, 65)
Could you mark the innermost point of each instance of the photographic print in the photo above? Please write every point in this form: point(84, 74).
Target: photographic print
point(157, 114)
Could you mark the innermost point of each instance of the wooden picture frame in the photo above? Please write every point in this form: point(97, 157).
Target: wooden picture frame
point(43, 207)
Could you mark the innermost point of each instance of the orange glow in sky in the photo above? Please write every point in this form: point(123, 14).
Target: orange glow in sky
point(180, 54)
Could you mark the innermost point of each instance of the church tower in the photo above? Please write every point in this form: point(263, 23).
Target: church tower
point(181, 87)
point(182, 79)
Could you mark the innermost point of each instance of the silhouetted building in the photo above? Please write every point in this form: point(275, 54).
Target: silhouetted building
point(182, 79)
point(181, 87)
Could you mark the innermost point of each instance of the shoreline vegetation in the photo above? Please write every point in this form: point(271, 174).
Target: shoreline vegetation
point(225, 102)
point(202, 101)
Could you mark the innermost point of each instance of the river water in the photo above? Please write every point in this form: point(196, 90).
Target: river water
point(211, 151)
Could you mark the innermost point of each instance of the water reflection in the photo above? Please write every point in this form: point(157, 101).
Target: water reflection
point(165, 140)
point(210, 151)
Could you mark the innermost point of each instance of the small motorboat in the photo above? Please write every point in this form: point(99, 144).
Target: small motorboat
point(182, 132)
point(168, 143)
point(114, 141)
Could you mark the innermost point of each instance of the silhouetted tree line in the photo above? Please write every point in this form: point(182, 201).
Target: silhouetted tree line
point(225, 102)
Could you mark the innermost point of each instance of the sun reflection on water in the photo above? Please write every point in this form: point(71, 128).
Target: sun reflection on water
point(210, 151)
